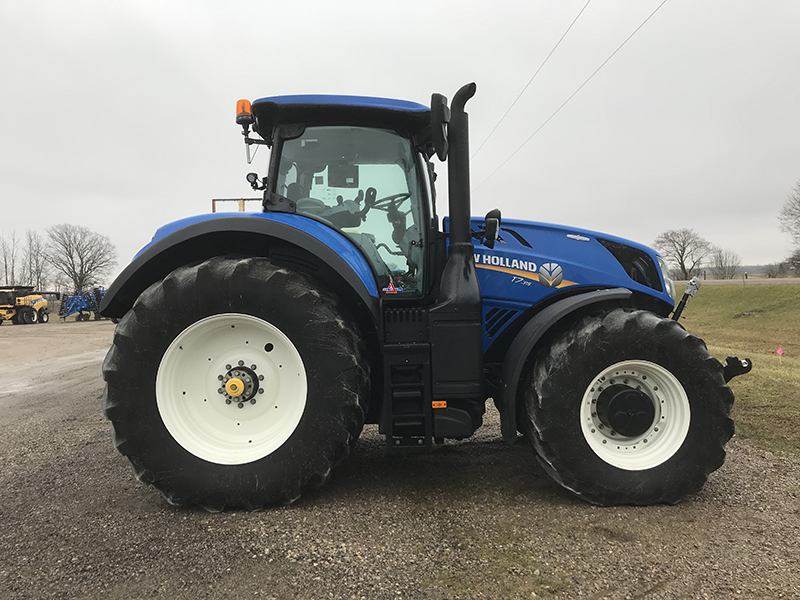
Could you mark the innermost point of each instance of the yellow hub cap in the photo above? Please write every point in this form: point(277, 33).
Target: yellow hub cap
point(234, 387)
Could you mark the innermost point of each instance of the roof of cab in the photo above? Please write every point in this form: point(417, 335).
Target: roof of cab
point(320, 109)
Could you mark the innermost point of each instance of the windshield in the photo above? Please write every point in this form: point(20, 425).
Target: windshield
point(364, 182)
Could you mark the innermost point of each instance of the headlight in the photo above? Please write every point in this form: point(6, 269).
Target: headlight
point(667, 279)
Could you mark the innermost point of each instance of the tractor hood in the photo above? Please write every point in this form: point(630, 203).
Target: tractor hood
point(532, 260)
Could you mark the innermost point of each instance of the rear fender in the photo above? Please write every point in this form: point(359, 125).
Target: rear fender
point(527, 338)
point(299, 242)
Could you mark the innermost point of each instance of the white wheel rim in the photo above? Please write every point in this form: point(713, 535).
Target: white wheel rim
point(665, 435)
point(196, 413)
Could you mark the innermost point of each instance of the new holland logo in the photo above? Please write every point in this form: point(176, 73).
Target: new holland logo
point(550, 275)
point(523, 271)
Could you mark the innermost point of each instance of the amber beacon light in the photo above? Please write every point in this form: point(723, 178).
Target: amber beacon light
point(244, 112)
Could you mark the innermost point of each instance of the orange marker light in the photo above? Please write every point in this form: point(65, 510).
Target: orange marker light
point(439, 404)
point(244, 112)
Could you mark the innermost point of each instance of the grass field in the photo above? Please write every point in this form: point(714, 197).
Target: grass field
point(753, 321)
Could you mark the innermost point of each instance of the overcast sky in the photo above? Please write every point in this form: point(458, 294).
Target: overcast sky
point(120, 115)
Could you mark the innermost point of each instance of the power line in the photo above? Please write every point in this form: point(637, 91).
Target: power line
point(538, 129)
point(531, 80)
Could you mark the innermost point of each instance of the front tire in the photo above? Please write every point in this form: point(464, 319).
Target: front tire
point(628, 408)
point(234, 383)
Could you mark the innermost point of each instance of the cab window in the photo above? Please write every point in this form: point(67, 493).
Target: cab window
point(365, 183)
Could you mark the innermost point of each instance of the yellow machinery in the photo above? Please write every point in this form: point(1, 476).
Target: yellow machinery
point(22, 306)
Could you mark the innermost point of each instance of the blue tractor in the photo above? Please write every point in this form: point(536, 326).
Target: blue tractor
point(252, 348)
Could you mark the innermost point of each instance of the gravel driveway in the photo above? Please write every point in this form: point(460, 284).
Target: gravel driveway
point(476, 519)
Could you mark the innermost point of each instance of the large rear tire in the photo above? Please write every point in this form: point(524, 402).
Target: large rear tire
point(628, 408)
point(234, 383)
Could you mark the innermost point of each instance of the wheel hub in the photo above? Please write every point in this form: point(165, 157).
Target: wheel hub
point(198, 411)
point(240, 384)
point(628, 411)
point(635, 415)
point(234, 387)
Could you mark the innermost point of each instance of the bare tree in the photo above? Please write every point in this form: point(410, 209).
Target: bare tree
point(80, 254)
point(34, 263)
point(793, 263)
point(724, 263)
point(776, 270)
point(685, 249)
point(789, 216)
point(9, 249)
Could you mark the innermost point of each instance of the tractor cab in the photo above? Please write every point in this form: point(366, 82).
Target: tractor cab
point(359, 165)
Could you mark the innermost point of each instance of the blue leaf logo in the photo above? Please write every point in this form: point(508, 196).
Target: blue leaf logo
point(550, 275)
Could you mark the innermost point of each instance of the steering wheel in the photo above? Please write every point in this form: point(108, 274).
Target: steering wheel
point(385, 203)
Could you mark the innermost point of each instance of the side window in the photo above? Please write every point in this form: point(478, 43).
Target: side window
point(365, 183)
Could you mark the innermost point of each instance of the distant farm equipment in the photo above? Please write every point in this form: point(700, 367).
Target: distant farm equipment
point(82, 304)
point(23, 306)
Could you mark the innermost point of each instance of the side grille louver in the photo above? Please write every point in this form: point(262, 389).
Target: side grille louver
point(496, 319)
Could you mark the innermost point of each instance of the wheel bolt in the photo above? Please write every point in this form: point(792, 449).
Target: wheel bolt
point(253, 401)
point(227, 367)
point(241, 363)
point(220, 377)
point(261, 378)
point(260, 391)
point(220, 391)
point(241, 405)
point(253, 367)
point(227, 400)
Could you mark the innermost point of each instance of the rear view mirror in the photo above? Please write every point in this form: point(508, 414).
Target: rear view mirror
point(440, 117)
point(491, 227)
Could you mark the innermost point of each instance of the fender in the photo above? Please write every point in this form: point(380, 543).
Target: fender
point(308, 245)
point(525, 341)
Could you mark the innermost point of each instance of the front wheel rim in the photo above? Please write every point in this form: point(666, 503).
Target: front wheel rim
point(201, 404)
point(661, 439)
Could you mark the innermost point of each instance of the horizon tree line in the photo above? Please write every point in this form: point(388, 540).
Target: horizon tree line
point(70, 258)
point(689, 254)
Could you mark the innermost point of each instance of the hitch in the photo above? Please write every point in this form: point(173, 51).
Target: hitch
point(735, 367)
point(691, 289)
